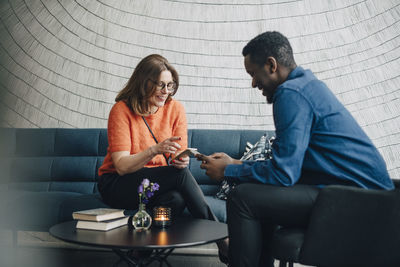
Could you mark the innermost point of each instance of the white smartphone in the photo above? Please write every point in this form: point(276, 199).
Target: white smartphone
point(191, 152)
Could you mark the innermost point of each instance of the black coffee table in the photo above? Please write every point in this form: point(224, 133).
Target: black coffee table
point(142, 248)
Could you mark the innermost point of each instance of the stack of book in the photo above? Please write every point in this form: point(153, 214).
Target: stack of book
point(102, 219)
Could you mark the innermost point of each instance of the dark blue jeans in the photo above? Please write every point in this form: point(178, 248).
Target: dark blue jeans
point(254, 213)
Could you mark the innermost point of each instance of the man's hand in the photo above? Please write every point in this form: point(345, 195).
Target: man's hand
point(215, 164)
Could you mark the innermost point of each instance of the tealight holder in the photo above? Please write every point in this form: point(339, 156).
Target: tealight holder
point(162, 216)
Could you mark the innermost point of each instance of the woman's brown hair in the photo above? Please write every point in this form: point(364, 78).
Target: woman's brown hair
point(141, 85)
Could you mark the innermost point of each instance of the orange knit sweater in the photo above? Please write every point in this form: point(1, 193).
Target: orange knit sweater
point(128, 132)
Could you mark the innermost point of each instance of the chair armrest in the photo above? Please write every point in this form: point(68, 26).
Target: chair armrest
point(396, 183)
point(349, 225)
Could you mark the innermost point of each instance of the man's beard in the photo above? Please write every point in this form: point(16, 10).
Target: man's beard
point(269, 99)
point(269, 95)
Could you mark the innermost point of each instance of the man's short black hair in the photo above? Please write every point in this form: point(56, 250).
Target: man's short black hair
point(270, 44)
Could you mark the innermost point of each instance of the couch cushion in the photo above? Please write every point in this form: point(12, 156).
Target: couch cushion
point(210, 141)
point(74, 169)
point(31, 169)
point(35, 211)
point(77, 187)
point(218, 207)
point(38, 211)
point(82, 202)
point(68, 143)
point(35, 142)
point(103, 142)
point(7, 142)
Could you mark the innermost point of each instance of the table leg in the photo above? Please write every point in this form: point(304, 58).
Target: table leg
point(123, 257)
point(159, 255)
point(162, 255)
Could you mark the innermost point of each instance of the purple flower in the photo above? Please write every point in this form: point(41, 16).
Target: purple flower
point(145, 182)
point(155, 187)
point(140, 189)
point(149, 194)
point(146, 190)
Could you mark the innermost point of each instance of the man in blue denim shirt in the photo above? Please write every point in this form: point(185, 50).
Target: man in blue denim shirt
point(318, 143)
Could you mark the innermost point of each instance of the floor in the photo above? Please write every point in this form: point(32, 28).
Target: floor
point(39, 249)
point(55, 257)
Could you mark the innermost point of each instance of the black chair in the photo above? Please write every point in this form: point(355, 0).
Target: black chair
point(348, 227)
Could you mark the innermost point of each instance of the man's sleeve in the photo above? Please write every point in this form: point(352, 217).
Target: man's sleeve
point(293, 118)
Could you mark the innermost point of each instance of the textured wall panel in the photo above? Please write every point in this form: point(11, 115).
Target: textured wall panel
point(62, 62)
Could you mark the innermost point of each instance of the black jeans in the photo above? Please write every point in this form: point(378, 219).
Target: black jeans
point(178, 189)
point(255, 210)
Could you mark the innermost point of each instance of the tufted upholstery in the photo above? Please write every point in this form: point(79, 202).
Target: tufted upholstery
point(348, 226)
point(46, 174)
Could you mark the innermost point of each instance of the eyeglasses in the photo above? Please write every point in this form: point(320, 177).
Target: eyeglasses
point(171, 86)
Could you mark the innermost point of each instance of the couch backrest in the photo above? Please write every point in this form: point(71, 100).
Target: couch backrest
point(68, 159)
point(52, 159)
point(232, 142)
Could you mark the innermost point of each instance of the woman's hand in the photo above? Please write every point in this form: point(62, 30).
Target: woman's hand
point(167, 146)
point(180, 163)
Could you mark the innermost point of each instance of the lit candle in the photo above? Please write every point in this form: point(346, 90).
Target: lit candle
point(162, 216)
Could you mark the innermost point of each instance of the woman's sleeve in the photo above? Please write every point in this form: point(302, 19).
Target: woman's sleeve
point(119, 134)
point(179, 127)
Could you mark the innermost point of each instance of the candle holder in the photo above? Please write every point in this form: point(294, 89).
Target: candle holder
point(162, 216)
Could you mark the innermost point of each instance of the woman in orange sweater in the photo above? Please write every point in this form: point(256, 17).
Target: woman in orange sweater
point(145, 108)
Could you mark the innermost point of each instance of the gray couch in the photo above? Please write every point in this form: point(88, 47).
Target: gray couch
point(49, 173)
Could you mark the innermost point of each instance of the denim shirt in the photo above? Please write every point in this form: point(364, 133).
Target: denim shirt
point(318, 141)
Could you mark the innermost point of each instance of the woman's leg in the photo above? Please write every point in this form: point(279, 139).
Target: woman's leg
point(183, 181)
point(172, 199)
point(121, 192)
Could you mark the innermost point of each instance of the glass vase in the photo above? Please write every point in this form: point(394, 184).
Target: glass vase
point(141, 220)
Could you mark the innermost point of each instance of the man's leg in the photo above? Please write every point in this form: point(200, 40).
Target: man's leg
point(255, 210)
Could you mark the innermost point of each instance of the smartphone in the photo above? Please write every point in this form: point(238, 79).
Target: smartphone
point(191, 152)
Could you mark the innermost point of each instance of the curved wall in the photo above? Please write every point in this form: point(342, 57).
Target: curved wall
point(62, 61)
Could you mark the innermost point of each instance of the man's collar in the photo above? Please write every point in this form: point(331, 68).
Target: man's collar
point(295, 73)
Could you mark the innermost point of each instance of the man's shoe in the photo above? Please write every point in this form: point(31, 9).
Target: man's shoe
point(223, 258)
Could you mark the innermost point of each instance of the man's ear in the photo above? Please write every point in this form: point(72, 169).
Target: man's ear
point(271, 65)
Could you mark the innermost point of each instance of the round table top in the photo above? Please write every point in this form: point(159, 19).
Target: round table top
point(183, 232)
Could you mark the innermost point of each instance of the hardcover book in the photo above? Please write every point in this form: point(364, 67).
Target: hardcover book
point(98, 215)
point(102, 226)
